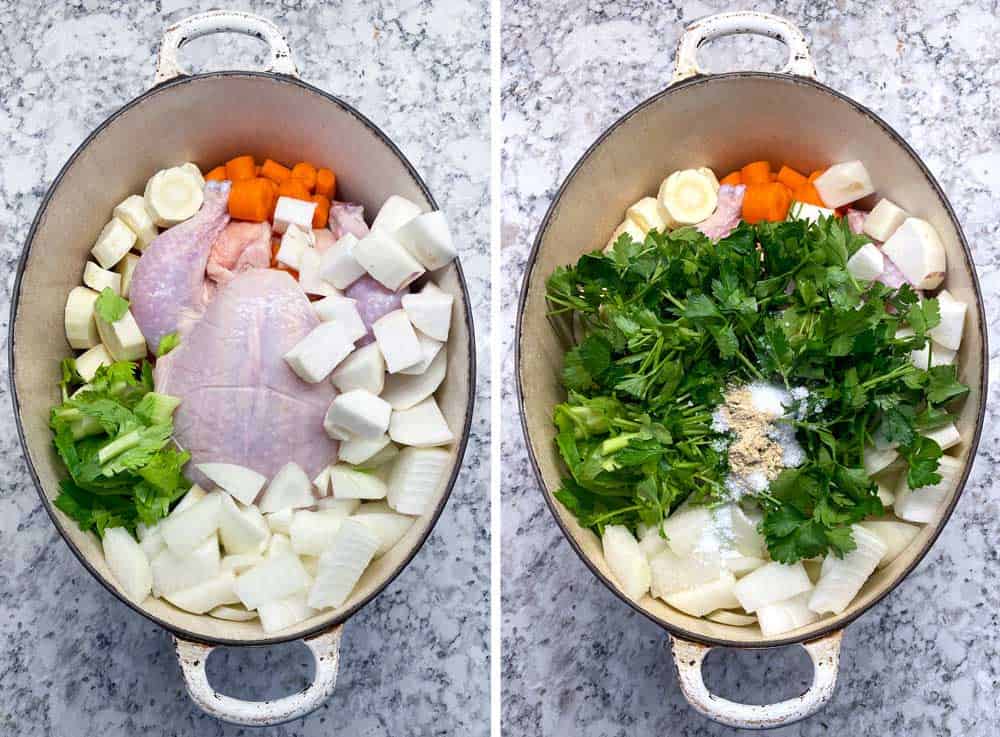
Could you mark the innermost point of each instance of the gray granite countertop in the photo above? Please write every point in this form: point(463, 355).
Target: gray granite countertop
point(577, 660)
point(75, 661)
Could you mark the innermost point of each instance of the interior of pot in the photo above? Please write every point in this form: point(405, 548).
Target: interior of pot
point(781, 119)
point(208, 120)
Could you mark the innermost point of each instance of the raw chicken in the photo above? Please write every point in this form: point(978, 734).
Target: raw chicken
point(324, 239)
point(347, 217)
point(374, 301)
point(240, 402)
point(168, 286)
point(727, 213)
point(856, 220)
point(240, 246)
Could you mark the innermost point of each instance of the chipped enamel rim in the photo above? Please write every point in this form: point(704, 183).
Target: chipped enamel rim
point(839, 622)
point(461, 443)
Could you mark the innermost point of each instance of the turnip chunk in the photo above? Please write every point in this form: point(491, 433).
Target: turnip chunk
point(671, 573)
point(79, 320)
point(280, 521)
point(126, 268)
point(100, 279)
point(357, 452)
point(785, 616)
point(363, 369)
point(430, 312)
point(279, 576)
point(770, 584)
point(186, 530)
point(342, 311)
point(350, 484)
point(383, 457)
point(421, 426)
point(289, 489)
point(844, 183)
point(923, 504)
point(916, 249)
point(128, 563)
point(312, 533)
point(122, 338)
point(344, 507)
point(878, 460)
point(651, 542)
point(885, 495)
point(341, 566)
point(415, 478)
point(883, 220)
point(357, 414)
point(895, 535)
point(284, 613)
point(295, 242)
point(193, 495)
point(242, 529)
point(320, 352)
point(150, 539)
point(949, 331)
point(842, 578)
point(233, 614)
point(867, 263)
point(278, 545)
point(243, 484)
point(322, 481)
point(701, 600)
point(309, 278)
point(337, 264)
point(429, 348)
point(932, 354)
point(389, 526)
point(684, 528)
point(289, 211)
point(809, 212)
point(403, 391)
point(647, 214)
point(627, 562)
point(395, 212)
point(240, 562)
point(173, 572)
point(386, 260)
point(428, 240)
point(207, 595)
point(398, 341)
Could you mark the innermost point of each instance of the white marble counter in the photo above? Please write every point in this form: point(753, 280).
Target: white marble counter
point(75, 661)
point(577, 661)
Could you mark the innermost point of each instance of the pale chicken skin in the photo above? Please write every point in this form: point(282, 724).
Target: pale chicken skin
point(240, 246)
point(240, 402)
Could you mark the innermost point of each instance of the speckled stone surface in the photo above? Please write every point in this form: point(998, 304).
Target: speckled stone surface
point(73, 660)
point(576, 660)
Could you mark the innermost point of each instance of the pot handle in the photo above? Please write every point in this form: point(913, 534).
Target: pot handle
point(737, 23)
point(222, 21)
point(325, 649)
point(825, 655)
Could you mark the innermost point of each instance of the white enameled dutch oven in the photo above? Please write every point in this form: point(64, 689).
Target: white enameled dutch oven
point(209, 118)
point(788, 117)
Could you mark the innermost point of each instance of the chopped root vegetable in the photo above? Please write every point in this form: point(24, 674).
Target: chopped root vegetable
point(756, 172)
point(240, 168)
point(295, 189)
point(791, 178)
point(626, 560)
point(321, 216)
point(305, 173)
point(769, 201)
point(326, 183)
point(274, 171)
point(251, 199)
point(732, 178)
point(218, 174)
point(807, 193)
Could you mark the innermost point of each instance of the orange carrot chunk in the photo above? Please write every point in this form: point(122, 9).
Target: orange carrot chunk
point(766, 201)
point(217, 174)
point(307, 173)
point(322, 212)
point(791, 178)
point(240, 168)
point(326, 183)
point(757, 172)
point(813, 175)
point(807, 193)
point(294, 187)
point(274, 171)
point(251, 199)
point(732, 178)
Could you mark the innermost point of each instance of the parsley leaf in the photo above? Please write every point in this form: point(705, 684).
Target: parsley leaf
point(110, 307)
point(167, 343)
